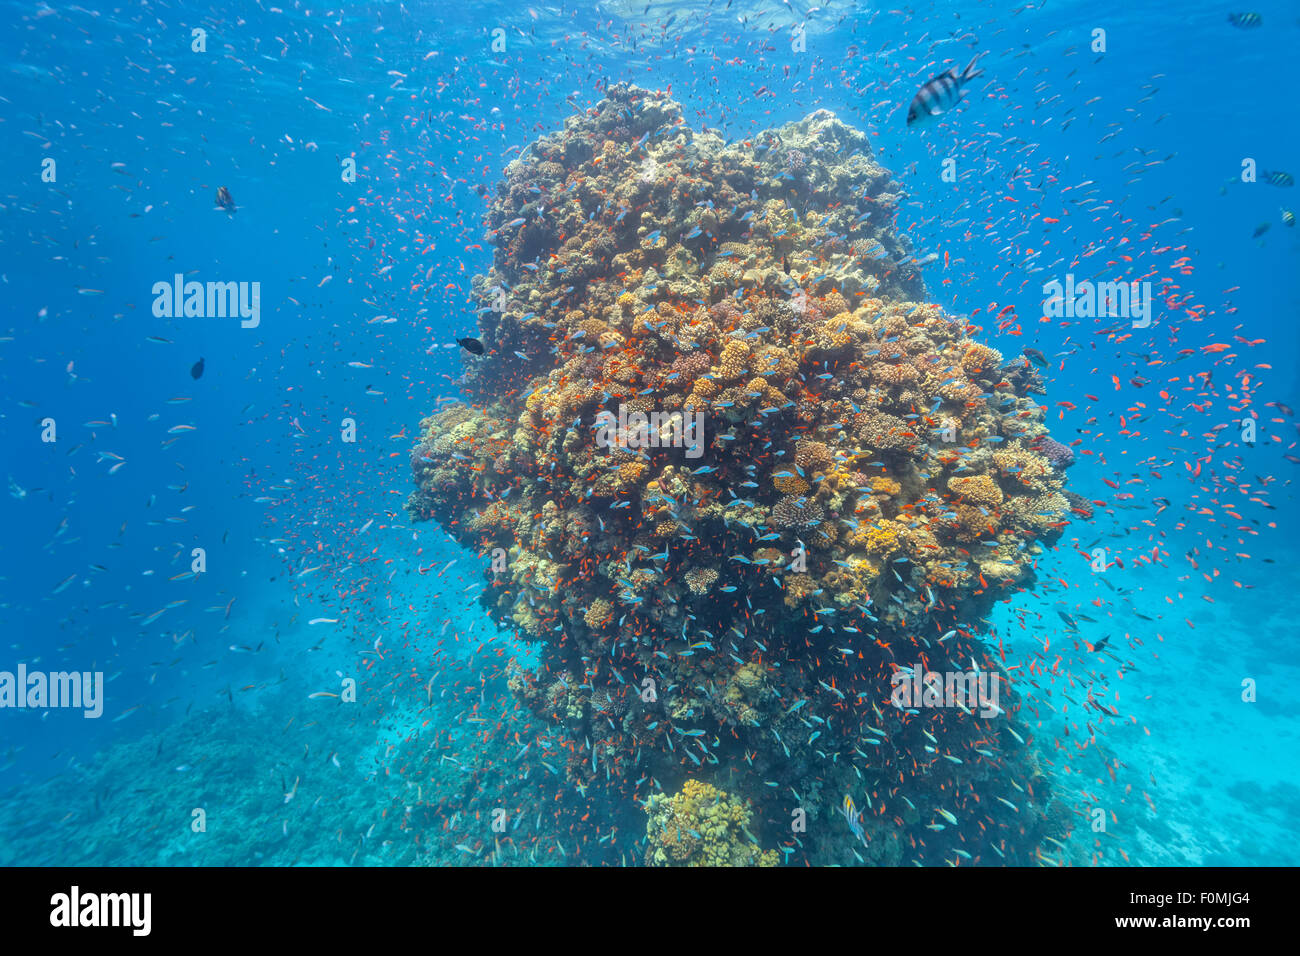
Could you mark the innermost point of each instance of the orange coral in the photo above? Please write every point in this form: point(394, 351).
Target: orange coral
point(788, 483)
point(980, 359)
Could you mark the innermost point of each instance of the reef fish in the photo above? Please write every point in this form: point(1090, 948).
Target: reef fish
point(854, 816)
point(471, 345)
point(941, 93)
point(1035, 356)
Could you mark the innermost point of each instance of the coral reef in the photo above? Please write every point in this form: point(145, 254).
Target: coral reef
point(745, 475)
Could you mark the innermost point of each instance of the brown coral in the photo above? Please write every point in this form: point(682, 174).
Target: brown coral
point(792, 512)
point(977, 489)
point(812, 455)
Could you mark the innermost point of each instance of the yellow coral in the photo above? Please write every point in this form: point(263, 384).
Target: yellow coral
point(599, 614)
point(732, 363)
point(883, 485)
point(882, 539)
point(705, 387)
point(855, 581)
point(702, 826)
point(535, 399)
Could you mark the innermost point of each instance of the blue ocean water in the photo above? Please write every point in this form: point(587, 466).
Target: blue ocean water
point(1133, 154)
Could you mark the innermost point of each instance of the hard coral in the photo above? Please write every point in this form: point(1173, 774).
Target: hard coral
point(700, 580)
point(702, 826)
point(850, 474)
point(977, 489)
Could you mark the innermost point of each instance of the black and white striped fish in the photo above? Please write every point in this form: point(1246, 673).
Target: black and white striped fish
point(941, 93)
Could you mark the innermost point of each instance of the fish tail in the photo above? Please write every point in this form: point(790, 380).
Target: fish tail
point(970, 72)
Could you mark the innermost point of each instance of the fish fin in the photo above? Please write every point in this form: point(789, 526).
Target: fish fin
point(970, 72)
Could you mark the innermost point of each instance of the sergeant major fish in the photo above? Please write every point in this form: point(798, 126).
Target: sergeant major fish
point(941, 93)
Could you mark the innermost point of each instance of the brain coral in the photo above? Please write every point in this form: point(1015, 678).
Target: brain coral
point(799, 479)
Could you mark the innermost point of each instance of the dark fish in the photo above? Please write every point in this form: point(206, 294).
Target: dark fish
point(1246, 21)
point(224, 200)
point(1262, 228)
point(196, 370)
point(1035, 356)
point(785, 264)
point(1068, 620)
point(1279, 177)
point(941, 93)
point(471, 345)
